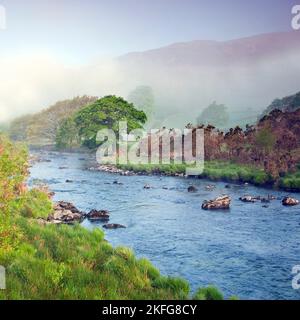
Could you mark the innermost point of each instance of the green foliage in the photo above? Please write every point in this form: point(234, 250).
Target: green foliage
point(36, 204)
point(13, 171)
point(291, 181)
point(67, 134)
point(106, 113)
point(214, 114)
point(208, 293)
point(40, 128)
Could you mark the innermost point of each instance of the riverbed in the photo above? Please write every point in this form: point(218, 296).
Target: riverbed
point(248, 251)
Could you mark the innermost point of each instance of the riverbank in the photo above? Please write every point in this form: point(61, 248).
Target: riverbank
point(215, 171)
point(49, 261)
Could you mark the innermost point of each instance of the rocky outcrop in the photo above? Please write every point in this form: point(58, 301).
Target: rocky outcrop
point(113, 226)
point(98, 215)
point(65, 212)
point(288, 201)
point(112, 169)
point(222, 202)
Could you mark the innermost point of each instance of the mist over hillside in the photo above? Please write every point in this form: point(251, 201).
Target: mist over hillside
point(244, 74)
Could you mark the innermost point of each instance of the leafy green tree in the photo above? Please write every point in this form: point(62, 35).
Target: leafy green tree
point(67, 135)
point(106, 113)
point(143, 99)
point(215, 114)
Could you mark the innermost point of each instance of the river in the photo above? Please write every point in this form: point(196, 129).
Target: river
point(248, 251)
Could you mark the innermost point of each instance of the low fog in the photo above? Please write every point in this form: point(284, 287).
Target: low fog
point(182, 86)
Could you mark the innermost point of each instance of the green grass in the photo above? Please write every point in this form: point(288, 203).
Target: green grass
point(213, 170)
point(290, 181)
point(208, 293)
point(62, 261)
point(69, 262)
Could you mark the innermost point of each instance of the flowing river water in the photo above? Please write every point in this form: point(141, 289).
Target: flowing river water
point(248, 251)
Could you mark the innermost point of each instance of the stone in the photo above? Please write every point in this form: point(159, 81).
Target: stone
point(95, 215)
point(113, 226)
point(248, 199)
point(289, 201)
point(222, 202)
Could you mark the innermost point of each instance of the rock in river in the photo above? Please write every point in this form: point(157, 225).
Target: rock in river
point(248, 199)
point(222, 202)
point(98, 215)
point(288, 201)
point(113, 226)
point(65, 212)
point(192, 189)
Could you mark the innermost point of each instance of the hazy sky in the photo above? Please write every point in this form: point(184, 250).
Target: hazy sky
point(79, 30)
point(57, 49)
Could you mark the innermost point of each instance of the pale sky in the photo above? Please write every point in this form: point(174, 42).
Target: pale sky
point(80, 30)
point(57, 49)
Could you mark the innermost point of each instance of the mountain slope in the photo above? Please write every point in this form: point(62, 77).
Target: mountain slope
point(243, 74)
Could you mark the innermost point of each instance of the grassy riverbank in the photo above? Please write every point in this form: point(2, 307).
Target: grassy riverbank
point(67, 262)
point(224, 171)
point(291, 181)
point(213, 170)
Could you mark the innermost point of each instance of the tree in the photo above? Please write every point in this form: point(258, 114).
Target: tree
point(67, 134)
point(214, 114)
point(143, 99)
point(265, 140)
point(106, 113)
point(41, 128)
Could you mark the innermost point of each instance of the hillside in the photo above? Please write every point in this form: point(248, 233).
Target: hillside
point(244, 74)
point(40, 128)
point(287, 104)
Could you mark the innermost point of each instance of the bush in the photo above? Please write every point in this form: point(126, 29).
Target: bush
point(36, 204)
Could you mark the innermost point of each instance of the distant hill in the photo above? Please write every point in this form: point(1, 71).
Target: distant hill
point(244, 74)
point(286, 104)
point(40, 128)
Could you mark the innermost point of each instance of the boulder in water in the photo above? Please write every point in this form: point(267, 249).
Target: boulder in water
point(289, 201)
point(98, 215)
point(222, 202)
point(248, 199)
point(113, 226)
point(65, 212)
point(192, 189)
